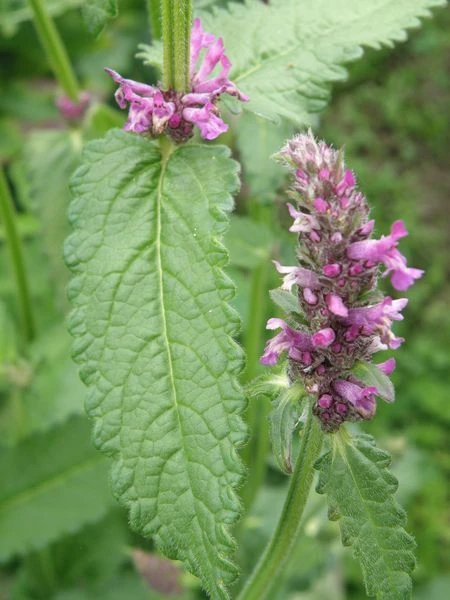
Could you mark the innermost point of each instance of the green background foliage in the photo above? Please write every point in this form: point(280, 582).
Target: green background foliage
point(62, 535)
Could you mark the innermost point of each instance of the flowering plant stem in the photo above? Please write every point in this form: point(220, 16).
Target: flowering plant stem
point(55, 50)
point(15, 249)
point(154, 15)
point(279, 548)
point(176, 18)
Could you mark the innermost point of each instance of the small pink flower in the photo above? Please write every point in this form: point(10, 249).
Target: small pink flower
point(336, 305)
point(361, 398)
point(303, 223)
point(323, 338)
point(387, 366)
point(288, 339)
point(385, 250)
point(297, 276)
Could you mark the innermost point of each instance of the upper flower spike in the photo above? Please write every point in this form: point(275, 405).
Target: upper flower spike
point(153, 111)
point(335, 277)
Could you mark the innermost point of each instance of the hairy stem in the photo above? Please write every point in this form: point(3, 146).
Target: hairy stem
point(7, 215)
point(154, 15)
point(55, 50)
point(279, 548)
point(176, 35)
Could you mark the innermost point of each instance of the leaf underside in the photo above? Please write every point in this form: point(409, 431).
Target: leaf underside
point(360, 491)
point(286, 53)
point(152, 329)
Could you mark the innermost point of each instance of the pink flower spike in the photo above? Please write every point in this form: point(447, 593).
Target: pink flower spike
point(323, 338)
point(324, 174)
point(387, 366)
point(336, 305)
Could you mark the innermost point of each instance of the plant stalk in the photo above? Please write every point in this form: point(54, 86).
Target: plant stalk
point(176, 19)
point(7, 215)
point(154, 15)
point(254, 454)
point(269, 568)
point(55, 50)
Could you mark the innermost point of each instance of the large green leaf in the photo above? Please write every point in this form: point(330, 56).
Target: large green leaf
point(50, 159)
point(257, 139)
point(285, 53)
point(152, 328)
point(52, 485)
point(360, 490)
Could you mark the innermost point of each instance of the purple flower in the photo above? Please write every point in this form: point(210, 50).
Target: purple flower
point(296, 343)
point(153, 111)
point(385, 250)
point(388, 366)
point(337, 272)
point(148, 111)
point(297, 276)
point(323, 338)
point(362, 399)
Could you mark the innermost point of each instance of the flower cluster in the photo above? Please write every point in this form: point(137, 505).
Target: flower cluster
point(153, 110)
point(347, 319)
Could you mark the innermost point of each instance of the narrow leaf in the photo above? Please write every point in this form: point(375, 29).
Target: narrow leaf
point(152, 334)
point(371, 375)
point(360, 490)
point(52, 485)
point(283, 420)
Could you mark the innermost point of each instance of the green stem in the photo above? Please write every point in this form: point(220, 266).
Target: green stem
point(55, 50)
point(279, 548)
point(154, 15)
point(176, 17)
point(254, 454)
point(15, 249)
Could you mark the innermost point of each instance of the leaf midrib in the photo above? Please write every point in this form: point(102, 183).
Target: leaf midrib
point(165, 157)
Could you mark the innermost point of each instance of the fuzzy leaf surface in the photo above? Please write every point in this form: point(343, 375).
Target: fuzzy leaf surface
point(152, 329)
point(52, 485)
point(360, 491)
point(286, 53)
